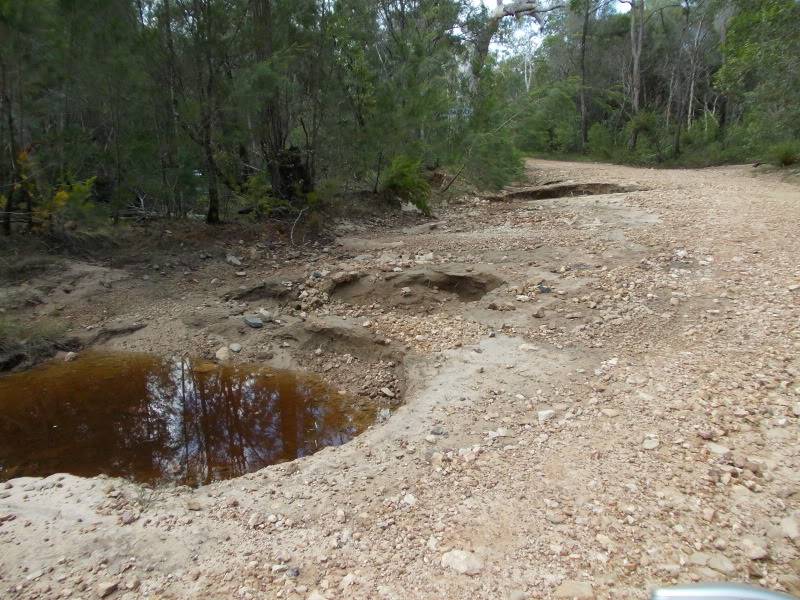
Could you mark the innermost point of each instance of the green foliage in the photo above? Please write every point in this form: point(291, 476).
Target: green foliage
point(257, 194)
point(762, 47)
point(29, 342)
point(404, 180)
point(70, 204)
point(551, 124)
point(784, 154)
point(18, 268)
point(493, 161)
point(601, 141)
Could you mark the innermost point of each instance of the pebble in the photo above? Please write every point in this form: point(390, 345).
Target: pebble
point(106, 588)
point(754, 548)
point(253, 321)
point(235, 347)
point(717, 449)
point(223, 354)
point(650, 443)
point(460, 561)
point(722, 564)
point(545, 415)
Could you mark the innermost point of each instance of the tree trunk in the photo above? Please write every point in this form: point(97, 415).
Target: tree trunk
point(584, 109)
point(274, 128)
point(170, 164)
point(484, 37)
point(637, 42)
point(209, 113)
point(5, 99)
point(211, 177)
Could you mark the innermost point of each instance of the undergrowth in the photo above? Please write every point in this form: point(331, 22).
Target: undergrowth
point(405, 180)
point(29, 342)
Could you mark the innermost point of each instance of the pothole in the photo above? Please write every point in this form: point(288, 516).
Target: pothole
point(150, 419)
point(419, 286)
point(563, 190)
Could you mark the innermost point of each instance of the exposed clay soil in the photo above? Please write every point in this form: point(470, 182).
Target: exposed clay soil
point(601, 394)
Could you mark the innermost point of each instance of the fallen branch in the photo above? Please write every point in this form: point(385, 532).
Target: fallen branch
point(291, 233)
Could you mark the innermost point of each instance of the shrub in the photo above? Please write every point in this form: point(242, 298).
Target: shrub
point(405, 180)
point(784, 154)
point(493, 161)
point(29, 343)
point(601, 141)
point(17, 268)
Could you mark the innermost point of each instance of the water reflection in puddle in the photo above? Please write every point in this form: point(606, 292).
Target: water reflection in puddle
point(150, 419)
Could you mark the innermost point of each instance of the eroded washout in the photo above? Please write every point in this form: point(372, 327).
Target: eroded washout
point(156, 420)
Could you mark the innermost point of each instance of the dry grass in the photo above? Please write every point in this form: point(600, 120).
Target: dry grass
point(29, 343)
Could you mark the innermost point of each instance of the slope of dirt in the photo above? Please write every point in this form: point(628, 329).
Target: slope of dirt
point(619, 412)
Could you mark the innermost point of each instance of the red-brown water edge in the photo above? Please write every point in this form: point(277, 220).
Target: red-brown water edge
point(152, 420)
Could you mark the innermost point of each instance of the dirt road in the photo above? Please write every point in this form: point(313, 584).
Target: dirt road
point(602, 394)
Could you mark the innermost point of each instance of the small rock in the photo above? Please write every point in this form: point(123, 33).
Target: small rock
point(253, 321)
point(106, 588)
point(575, 590)
point(132, 583)
point(718, 449)
point(722, 564)
point(538, 313)
point(70, 356)
point(545, 415)
point(387, 392)
point(128, 517)
point(233, 260)
point(235, 347)
point(255, 520)
point(754, 548)
point(650, 443)
point(609, 412)
point(223, 354)
point(462, 562)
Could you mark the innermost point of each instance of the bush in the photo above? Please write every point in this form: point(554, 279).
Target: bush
point(405, 180)
point(29, 343)
point(493, 161)
point(784, 154)
point(18, 268)
point(601, 141)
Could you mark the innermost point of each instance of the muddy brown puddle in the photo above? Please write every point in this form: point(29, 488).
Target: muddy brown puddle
point(153, 420)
